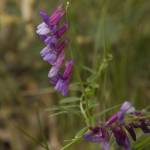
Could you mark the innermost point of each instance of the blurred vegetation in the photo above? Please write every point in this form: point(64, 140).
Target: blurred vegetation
point(25, 94)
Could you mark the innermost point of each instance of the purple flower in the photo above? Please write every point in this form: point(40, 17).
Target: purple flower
point(50, 57)
point(61, 30)
point(51, 41)
point(42, 29)
point(143, 124)
point(111, 120)
point(55, 18)
point(121, 137)
point(60, 59)
point(56, 15)
point(45, 17)
point(68, 69)
point(54, 79)
point(62, 86)
point(53, 71)
point(61, 45)
point(62, 83)
point(126, 107)
point(98, 134)
point(46, 50)
point(131, 131)
point(56, 66)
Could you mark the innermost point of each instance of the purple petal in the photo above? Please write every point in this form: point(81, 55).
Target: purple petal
point(62, 30)
point(121, 137)
point(144, 126)
point(98, 134)
point(42, 29)
point(62, 86)
point(54, 79)
point(61, 46)
point(56, 66)
point(50, 57)
point(60, 59)
point(53, 72)
point(44, 16)
point(131, 131)
point(51, 41)
point(121, 116)
point(90, 137)
point(68, 69)
point(44, 51)
point(111, 120)
point(127, 107)
point(43, 37)
point(56, 16)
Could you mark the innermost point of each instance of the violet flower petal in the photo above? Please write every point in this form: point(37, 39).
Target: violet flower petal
point(62, 30)
point(90, 137)
point(50, 57)
point(54, 79)
point(45, 51)
point(44, 16)
point(56, 15)
point(144, 127)
point(53, 72)
point(111, 120)
point(42, 29)
point(131, 131)
point(68, 69)
point(62, 86)
point(127, 107)
point(121, 137)
point(60, 59)
point(51, 41)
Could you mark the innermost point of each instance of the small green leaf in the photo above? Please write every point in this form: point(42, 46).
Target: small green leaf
point(70, 100)
point(89, 69)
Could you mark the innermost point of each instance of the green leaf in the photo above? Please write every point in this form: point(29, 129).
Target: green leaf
point(70, 100)
point(58, 113)
point(88, 69)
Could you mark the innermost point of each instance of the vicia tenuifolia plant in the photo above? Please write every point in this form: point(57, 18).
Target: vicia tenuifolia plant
point(51, 31)
point(122, 125)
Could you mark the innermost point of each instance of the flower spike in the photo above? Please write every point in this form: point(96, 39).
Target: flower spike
point(51, 32)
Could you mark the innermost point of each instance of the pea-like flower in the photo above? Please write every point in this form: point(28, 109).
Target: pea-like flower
point(125, 108)
point(63, 81)
point(98, 134)
point(121, 137)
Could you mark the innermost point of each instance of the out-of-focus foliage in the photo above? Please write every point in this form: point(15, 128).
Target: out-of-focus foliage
point(25, 93)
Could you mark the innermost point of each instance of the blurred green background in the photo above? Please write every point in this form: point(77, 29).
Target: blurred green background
point(25, 93)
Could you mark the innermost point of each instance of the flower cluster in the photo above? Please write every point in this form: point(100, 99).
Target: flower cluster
point(51, 31)
point(119, 128)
